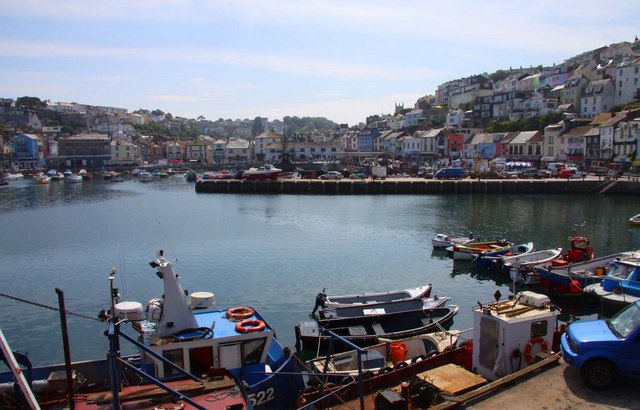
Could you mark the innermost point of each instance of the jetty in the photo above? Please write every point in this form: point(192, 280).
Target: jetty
point(419, 186)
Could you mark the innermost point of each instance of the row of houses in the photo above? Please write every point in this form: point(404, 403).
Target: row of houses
point(609, 137)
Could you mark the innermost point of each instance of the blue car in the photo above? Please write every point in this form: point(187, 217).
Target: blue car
point(604, 349)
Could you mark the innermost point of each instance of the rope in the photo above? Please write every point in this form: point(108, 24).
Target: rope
point(42, 305)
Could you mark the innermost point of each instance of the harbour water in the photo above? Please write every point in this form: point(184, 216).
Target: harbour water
point(272, 252)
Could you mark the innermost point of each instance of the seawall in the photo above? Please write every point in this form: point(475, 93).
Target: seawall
point(418, 187)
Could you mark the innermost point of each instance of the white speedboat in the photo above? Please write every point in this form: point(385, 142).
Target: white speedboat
point(266, 172)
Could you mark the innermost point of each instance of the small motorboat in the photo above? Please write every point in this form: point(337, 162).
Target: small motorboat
point(325, 301)
point(74, 179)
point(635, 220)
point(492, 258)
point(370, 329)
point(347, 312)
point(621, 285)
point(444, 241)
point(469, 251)
point(268, 171)
point(41, 178)
point(573, 278)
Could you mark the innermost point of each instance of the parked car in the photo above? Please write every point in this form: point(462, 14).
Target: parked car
point(604, 349)
point(332, 175)
point(543, 173)
point(528, 173)
point(568, 173)
point(447, 173)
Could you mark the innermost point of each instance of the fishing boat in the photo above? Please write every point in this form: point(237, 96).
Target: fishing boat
point(580, 250)
point(41, 178)
point(635, 220)
point(191, 176)
point(522, 268)
point(182, 335)
point(511, 338)
point(145, 176)
point(571, 279)
point(444, 241)
point(74, 179)
point(353, 313)
point(492, 258)
point(369, 329)
point(325, 301)
point(621, 285)
point(268, 171)
point(469, 251)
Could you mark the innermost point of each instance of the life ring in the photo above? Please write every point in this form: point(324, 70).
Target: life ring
point(544, 348)
point(251, 325)
point(240, 312)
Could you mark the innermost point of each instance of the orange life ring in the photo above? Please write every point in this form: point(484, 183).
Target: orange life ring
point(544, 348)
point(250, 325)
point(240, 312)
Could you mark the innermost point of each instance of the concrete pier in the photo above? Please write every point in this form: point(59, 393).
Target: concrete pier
point(415, 186)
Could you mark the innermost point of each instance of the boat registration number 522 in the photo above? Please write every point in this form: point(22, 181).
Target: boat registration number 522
point(261, 397)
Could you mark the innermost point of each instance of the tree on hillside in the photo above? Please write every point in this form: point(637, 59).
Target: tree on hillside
point(29, 103)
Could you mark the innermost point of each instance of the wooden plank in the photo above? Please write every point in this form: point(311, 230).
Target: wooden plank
point(474, 394)
point(453, 379)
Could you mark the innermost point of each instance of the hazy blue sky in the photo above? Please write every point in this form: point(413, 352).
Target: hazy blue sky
point(339, 59)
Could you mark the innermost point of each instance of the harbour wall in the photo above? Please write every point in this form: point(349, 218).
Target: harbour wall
point(418, 187)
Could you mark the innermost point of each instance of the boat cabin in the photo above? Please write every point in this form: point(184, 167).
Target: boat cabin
point(509, 334)
point(182, 330)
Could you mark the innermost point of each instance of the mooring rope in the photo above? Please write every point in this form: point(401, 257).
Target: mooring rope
point(42, 305)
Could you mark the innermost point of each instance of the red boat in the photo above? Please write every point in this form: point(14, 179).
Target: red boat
point(266, 172)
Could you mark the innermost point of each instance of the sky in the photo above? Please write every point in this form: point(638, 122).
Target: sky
point(239, 59)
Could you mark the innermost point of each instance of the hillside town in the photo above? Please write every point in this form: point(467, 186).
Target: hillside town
point(587, 108)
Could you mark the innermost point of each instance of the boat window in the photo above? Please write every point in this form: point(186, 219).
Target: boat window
point(539, 329)
point(253, 350)
point(200, 360)
point(175, 357)
point(620, 271)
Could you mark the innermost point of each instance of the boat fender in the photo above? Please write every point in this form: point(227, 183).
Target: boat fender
point(239, 313)
point(400, 365)
point(250, 325)
point(432, 352)
point(544, 348)
point(418, 358)
point(384, 370)
point(345, 380)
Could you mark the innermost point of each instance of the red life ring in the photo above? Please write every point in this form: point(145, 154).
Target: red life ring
point(240, 312)
point(250, 325)
point(544, 348)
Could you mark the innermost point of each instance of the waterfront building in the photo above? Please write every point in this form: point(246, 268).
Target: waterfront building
point(79, 151)
point(176, 151)
point(625, 139)
point(28, 151)
point(220, 153)
point(268, 145)
point(241, 151)
point(124, 153)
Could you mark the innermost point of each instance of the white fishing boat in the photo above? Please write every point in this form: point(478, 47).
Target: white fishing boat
point(332, 301)
point(444, 241)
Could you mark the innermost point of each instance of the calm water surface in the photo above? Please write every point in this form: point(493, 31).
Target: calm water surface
point(272, 252)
